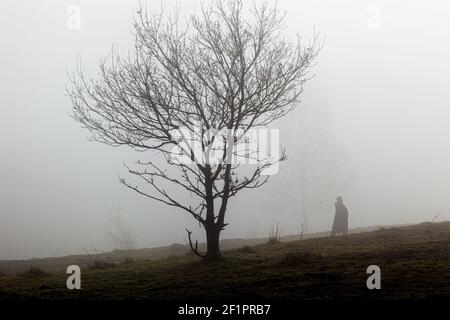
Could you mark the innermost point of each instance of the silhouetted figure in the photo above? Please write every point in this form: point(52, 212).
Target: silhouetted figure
point(340, 224)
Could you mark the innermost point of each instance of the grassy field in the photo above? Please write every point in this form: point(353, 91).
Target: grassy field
point(414, 262)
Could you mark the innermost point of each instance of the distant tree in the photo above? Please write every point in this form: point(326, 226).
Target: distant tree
point(318, 171)
point(119, 233)
point(216, 71)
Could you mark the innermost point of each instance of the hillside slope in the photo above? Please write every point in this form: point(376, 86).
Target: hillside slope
point(56, 264)
point(414, 261)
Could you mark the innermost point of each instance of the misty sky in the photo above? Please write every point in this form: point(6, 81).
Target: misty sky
point(379, 103)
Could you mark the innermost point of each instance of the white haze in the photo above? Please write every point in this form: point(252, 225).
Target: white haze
point(379, 103)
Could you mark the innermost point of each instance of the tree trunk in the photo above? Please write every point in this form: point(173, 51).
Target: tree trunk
point(212, 242)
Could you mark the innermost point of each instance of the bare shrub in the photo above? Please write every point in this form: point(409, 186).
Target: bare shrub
point(34, 271)
point(246, 249)
point(128, 260)
point(275, 235)
point(101, 264)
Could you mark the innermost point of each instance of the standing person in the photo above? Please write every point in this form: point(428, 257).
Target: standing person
point(340, 224)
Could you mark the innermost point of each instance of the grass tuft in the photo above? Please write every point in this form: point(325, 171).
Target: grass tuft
point(246, 250)
point(101, 264)
point(35, 272)
point(299, 258)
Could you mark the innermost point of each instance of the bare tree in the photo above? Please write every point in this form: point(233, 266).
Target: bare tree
point(119, 233)
point(217, 71)
point(318, 171)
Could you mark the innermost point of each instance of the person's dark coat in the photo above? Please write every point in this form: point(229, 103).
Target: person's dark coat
point(340, 224)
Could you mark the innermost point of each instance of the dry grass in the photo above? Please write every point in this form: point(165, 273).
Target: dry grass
point(35, 272)
point(414, 261)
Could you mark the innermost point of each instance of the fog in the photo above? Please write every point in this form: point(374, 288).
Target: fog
point(377, 112)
